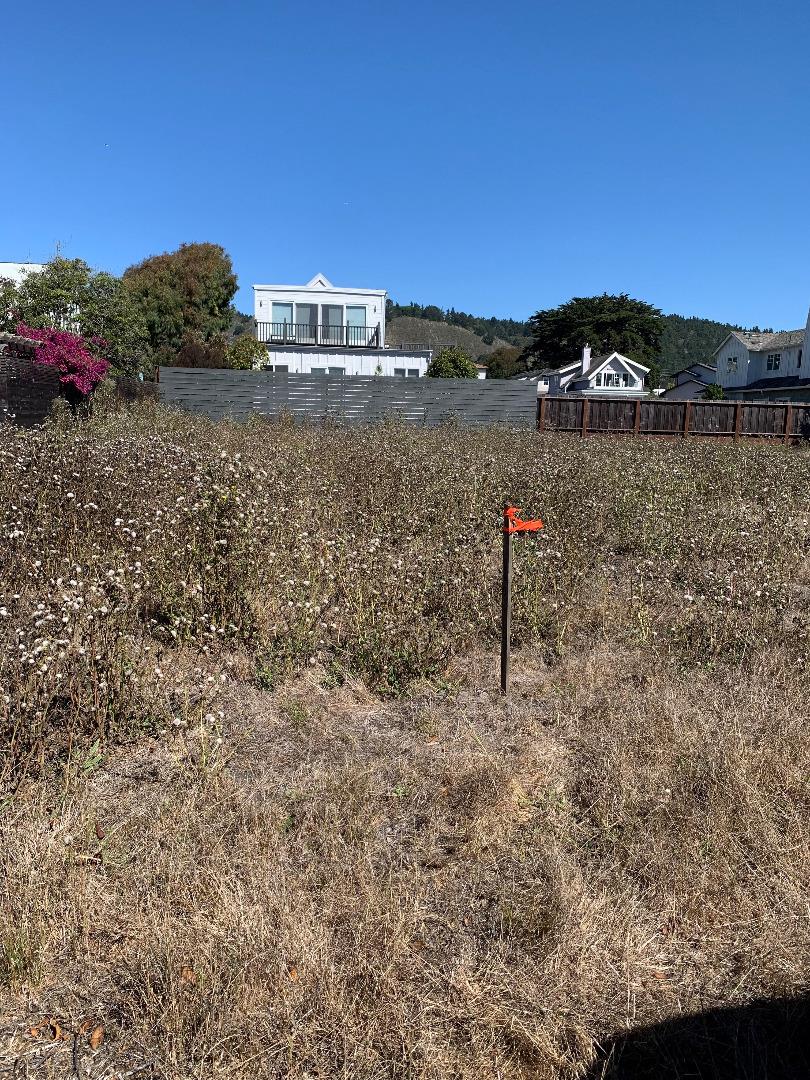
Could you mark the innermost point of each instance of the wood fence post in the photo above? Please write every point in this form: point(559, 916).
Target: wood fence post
point(788, 421)
point(541, 414)
point(687, 417)
point(637, 417)
point(585, 412)
point(737, 420)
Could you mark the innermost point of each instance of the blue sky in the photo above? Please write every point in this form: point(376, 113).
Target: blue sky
point(496, 158)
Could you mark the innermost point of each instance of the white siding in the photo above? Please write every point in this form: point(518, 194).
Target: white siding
point(264, 296)
point(752, 366)
point(19, 271)
point(635, 382)
point(733, 349)
point(301, 361)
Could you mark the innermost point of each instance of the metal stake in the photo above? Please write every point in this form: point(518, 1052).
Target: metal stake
point(506, 602)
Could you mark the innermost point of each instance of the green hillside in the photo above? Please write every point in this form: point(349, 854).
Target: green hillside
point(684, 340)
point(689, 340)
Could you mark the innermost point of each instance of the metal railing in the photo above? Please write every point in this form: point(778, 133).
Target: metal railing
point(342, 336)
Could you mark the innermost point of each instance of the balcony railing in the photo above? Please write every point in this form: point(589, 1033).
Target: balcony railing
point(345, 336)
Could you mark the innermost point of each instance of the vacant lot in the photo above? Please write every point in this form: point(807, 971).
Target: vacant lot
point(263, 814)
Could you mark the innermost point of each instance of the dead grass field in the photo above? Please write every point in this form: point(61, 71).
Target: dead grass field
point(250, 854)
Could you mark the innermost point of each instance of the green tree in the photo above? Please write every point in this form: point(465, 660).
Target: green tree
point(67, 294)
point(246, 353)
point(713, 392)
point(655, 376)
point(504, 361)
point(195, 352)
point(629, 326)
point(184, 295)
point(452, 363)
point(8, 296)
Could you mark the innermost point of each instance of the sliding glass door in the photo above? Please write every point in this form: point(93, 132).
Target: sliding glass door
point(332, 324)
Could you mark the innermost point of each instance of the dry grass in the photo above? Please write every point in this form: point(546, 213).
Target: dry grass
point(284, 873)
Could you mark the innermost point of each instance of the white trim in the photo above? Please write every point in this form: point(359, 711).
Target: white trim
point(626, 363)
point(321, 292)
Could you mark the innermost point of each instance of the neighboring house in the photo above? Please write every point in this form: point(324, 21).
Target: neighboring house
point(17, 272)
point(759, 366)
point(320, 329)
point(691, 382)
point(481, 369)
point(611, 375)
point(540, 378)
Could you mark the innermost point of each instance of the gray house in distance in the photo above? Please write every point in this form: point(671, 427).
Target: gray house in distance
point(691, 382)
point(613, 375)
point(764, 367)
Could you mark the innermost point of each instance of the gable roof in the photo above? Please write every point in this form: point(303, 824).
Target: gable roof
point(697, 364)
point(757, 342)
point(601, 361)
point(321, 280)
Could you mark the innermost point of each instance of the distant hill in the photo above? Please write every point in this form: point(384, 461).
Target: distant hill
point(429, 333)
point(684, 340)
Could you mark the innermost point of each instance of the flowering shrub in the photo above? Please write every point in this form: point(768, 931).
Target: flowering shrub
point(78, 367)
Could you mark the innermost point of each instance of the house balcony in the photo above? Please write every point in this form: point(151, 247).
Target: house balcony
point(342, 336)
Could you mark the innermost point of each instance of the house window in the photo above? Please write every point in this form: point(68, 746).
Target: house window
point(799, 359)
point(774, 361)
point(413, 372)
point(317, 371)
point(336, 370)
point(399, 371)
point(598, 380)
point(731, 363)
point(614, 379)
point(282, 316)
point(282, 367)
point(306, 322)
point(356, 326)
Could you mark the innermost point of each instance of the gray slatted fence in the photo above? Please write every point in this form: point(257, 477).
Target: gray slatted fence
point(349, 398)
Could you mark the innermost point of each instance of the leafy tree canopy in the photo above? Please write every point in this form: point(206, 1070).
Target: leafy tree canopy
point(605, 322)
point(504, 361)
point(246, 353)
point(713, 392)
point(183, 293)
point(452, 362)
point(70, 296)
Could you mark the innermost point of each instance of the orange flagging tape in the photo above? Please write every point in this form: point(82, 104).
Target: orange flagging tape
point(514, 523)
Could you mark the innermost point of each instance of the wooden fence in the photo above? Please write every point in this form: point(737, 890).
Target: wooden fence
point(350, 399)
point(27, 389)
point(652, 417)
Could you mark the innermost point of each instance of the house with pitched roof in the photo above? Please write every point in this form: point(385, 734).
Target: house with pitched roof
point(691, 382)
point(764, 366)
point(613, 375)
point(322, 329)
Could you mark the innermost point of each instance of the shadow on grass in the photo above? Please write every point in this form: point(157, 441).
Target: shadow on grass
point(764, 1040)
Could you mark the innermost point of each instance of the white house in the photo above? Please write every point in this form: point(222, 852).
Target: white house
point(321, 329)
point(17, 272)
point(764, 366)
point(613, 375)
point(691, 382)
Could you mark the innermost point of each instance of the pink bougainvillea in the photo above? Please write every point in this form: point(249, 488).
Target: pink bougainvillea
point(70, 354)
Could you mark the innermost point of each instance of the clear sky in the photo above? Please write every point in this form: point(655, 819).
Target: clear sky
point(492, 157)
